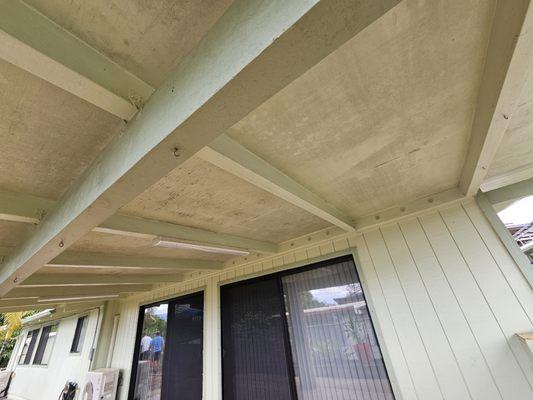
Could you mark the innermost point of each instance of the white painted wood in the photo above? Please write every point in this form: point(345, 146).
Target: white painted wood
point(253, 51)
point(516, 280)
point(39, 280)
point(469, 358)
point(417, 359)
point(236, 159)
point(393, 351)
point(503, 233)
point(506, 67)
point(74, 291)
point(504, 368)
point(121, 224)
point(511, 192)
point(514, 176)
point(496, 290)
point(36, 44)
point(444, 364)
point(104, 260)
point(118, 261)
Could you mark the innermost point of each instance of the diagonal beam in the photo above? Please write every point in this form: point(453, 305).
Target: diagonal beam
point(254, 50)
point(236, 159)
point(105, 260)
point(38, 45)
point(506, 67)
point(41, 280)
point(20, 207)
point(74, 291)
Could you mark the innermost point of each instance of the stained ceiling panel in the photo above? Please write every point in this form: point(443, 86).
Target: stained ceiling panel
point(386, 118)
point(48, 137)
point(201, 195)
point(148, 38)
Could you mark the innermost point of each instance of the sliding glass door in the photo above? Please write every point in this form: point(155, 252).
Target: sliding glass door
point(168, 355)
point(302, 334)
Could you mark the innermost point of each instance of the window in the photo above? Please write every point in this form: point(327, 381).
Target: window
point(79, 335)
point(303, 334)
point(46, 344)
point(29, 345)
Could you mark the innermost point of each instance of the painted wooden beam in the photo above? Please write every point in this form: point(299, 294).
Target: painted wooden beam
point(507, 65)
point(31, 209)
point(40, 280)
point(120, 224)
point(31, 41)
point(236, 159)
point(503, 233)
point(106, 260)
point(73, 291)
point(254, 50)
point(512, 192)
point(516, 175)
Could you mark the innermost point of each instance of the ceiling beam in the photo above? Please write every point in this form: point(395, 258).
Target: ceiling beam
point(106, 260)
point(20, 207)
point(507, 65)
point(512, 192)
point(253, 51)
point(236, 159)
point(120, 224)
point(31, 41)
point(516, 175)
point(73, 291)
point(40, 280)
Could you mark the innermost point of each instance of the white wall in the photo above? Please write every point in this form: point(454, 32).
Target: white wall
point(46, 382)
point(445, 296)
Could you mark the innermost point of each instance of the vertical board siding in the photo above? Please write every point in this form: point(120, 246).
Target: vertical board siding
point(445, 296)
point(416, 356)
point(440, 355)
point(463, 343)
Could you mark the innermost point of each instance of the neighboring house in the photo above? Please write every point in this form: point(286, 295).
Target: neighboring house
point(267, 200)
point(51, 350)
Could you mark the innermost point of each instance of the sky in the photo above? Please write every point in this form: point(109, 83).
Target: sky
point(518, 213)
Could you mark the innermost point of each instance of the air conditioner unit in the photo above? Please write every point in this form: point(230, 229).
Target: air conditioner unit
point(101, 384)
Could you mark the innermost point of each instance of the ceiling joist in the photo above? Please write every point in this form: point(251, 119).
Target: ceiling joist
point(38, 45)
point(506, 67)
point(105, 260)
point(253, 51)
point(20, 207)
point(42, 280)
point(74, 292)
point(236, 159)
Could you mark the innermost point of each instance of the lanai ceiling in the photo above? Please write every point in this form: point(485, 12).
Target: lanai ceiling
point(377, 127)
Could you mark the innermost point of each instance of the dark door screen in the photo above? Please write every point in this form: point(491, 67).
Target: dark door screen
point(182, 366)
point(255, 350)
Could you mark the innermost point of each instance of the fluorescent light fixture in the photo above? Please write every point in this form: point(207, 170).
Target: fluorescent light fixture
point(80, 298)
point(208, 248)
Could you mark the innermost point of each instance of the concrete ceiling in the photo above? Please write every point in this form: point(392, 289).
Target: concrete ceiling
point(383, 120)
point(387, 117)
point(148, 38)
point(200, 195)
point(48, 137)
